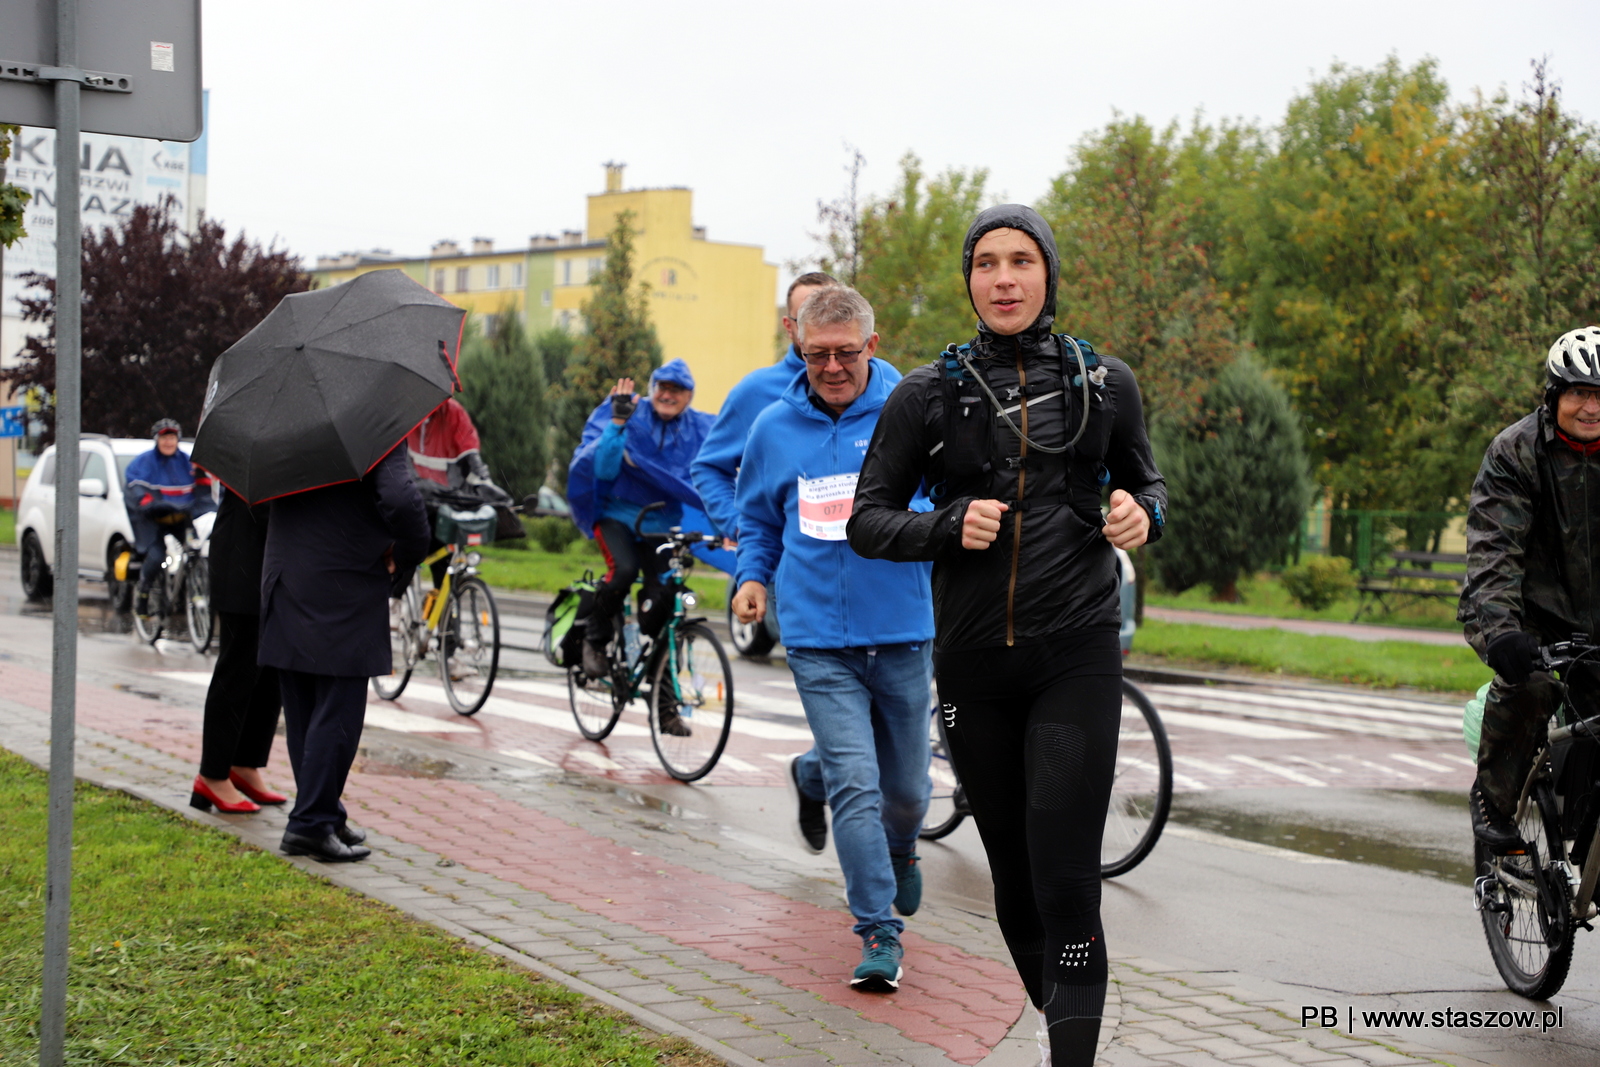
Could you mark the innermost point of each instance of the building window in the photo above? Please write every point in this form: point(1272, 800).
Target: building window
point(596, 265)
point(544, 298)
point(566, 272)
point(516, 275)
point(489, 324)
point(462, 276)
point(438, 281)
point(491, 278)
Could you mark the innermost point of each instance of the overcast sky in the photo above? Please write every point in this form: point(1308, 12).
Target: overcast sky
point(340, 125)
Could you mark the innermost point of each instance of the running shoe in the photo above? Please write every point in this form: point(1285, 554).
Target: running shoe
point(880, 970)
point(813, 818)
point(672, 724)
point(907, 882)
point(595, 664)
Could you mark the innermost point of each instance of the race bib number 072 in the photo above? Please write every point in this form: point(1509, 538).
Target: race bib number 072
point(825, 505)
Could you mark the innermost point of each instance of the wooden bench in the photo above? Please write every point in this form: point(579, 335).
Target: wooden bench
point(1411, 567)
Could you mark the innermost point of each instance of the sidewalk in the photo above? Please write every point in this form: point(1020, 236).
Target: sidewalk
point(1359, 631)
point(692, 931)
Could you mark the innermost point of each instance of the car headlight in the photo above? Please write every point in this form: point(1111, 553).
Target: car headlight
point(474, 558)
point(690, 600)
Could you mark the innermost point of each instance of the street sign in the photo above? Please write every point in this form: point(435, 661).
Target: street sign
point(144, 58)
point(13, 421)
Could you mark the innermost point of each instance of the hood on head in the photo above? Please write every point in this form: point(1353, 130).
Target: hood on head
point(675, 371)
point(1016, 217)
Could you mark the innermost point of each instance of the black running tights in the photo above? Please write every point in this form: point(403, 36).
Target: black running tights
point(1033, 733)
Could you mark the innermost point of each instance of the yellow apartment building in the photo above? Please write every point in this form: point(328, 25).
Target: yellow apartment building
point(713, 303)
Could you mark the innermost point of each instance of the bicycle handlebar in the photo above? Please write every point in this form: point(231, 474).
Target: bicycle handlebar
point(1560, 655)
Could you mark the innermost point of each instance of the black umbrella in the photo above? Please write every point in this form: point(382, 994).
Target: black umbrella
point(327, 384)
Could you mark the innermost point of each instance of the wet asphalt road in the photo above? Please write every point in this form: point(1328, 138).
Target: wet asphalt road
point(1326, 893)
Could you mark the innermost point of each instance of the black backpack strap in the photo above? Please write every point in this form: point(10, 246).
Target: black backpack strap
point(964, 443)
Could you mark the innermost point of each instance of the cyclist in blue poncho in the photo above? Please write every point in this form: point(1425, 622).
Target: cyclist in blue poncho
point(161, 497)
point(632, 455)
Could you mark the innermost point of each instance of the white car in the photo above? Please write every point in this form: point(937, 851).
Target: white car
point(104, 531)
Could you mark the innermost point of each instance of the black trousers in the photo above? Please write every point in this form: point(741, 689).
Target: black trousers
point(322, 718)
point(1033, 733)
point(243, 701)
point(626, 556)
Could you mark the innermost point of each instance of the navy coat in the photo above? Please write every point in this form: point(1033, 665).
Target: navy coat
point(324, 585)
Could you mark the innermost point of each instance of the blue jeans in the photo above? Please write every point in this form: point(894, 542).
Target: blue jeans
point(868, 710)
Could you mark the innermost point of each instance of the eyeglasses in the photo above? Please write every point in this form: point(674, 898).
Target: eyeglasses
point(820, 359)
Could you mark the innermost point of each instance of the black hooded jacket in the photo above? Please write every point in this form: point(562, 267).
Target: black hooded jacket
point(1058, 573)
point(1533, 532)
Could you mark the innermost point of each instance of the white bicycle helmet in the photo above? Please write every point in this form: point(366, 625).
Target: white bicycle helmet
point(1575, 359)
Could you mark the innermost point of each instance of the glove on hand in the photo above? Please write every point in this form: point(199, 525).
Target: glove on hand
point(1514, 656)
point(622, 405)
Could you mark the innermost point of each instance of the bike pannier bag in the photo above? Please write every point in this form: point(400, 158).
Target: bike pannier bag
point(460, 526)
point(564, 622)
point(1472, 720)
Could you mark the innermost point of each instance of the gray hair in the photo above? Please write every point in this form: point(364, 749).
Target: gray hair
point(831, 306)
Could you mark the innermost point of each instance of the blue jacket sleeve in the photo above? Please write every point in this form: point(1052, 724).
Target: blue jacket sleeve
point(716, 469)
point(608, 453)
point(762, 501)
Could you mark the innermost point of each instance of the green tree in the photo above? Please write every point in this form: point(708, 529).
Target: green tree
point(1537, 253)
point(503, 387)
point(618, 341)
point(1238, 480)
point(13, 198)
point(1354, 251)
point(1134, 278)
point(159, 306)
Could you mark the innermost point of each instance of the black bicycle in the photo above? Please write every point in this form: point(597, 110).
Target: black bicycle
point(683, 674)
point(1534, 901)
point(1141, 792)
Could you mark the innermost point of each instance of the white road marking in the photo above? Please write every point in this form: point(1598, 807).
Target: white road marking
point(1347, 718)
point(595, 759)
point(1236, 727)
point(1404, 757)
point(1314, 764)
point(1204, 765)
point(1370, 765)
point(735, 763)
point(1283, 772)
point(383, 716)
point(1453, 758)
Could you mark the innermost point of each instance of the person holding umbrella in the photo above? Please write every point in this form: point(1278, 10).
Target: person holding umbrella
point(309, 410)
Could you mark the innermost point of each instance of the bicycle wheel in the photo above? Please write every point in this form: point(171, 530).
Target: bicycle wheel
point(1526, 906)
point(691, 703)
point(1141, 790)
point(197, 604)
point(947, 804)
point(469, 645)
point(597, 703)
point(404, 622)
point(149, 627)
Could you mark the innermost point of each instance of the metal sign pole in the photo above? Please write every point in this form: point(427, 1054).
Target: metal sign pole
point(64, 661)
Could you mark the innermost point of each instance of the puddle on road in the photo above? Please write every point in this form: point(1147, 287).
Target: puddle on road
point(1193, 809)
point(393, 761)
point(95, 615)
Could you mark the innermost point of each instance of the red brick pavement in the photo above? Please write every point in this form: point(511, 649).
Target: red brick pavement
point(956, 1002)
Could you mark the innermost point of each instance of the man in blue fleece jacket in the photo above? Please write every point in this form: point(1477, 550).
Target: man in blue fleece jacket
point(857, 630)
point(632, 455)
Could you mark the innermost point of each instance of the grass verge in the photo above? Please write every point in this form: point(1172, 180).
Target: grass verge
point(1385, 664)
point(1263, 594)
point(529, 567)
point(8, 526)
point(189, 947)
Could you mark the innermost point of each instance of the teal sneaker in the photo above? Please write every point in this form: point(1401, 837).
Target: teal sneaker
point(880, 969)
point(907, 882)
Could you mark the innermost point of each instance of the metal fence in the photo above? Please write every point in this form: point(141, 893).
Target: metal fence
point(1366, 538)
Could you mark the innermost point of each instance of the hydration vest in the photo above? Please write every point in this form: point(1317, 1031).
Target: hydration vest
point(967, 445)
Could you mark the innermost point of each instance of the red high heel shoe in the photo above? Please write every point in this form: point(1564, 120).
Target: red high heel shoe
point(203, 798)
point(260, 796)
